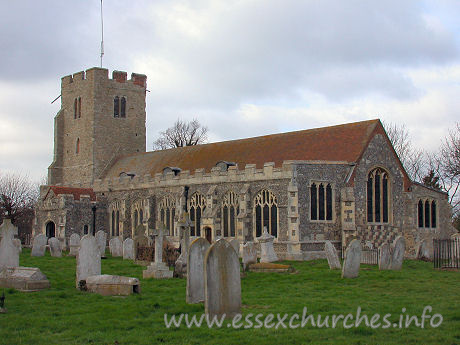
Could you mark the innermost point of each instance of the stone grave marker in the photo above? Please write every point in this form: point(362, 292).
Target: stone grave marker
point(397, 258)
point(352, 260)
point(116, 247)
point(425, 250)
point(110, 285)
point(9, 252)
point(88, 258)
point(249, 255)
point(39, 245)
point(101, 238)
point(180, 266)
point(384, 257)
point(331, 255)
point(195, 270)
point(267, 252)
point(140, 241)
point(128, 249)
point(222, 281)
point(74, 244)
point(158, 269)
point(55, 247)
point(18, 244)
point(23, 279)
point(236, 245)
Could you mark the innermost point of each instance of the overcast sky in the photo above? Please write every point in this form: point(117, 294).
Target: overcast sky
point(243, 68)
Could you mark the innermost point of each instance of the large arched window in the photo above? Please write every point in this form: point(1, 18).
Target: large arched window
point(378, 196)
point(321, 201)
point(117, 233)
point(197, 204)
point(230, 210)
point(426, 213)
point(266, 213)
point(167, 211)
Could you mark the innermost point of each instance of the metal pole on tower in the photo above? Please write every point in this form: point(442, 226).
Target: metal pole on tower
point(102, 34)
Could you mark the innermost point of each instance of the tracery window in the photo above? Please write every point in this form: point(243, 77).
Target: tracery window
point(230, 211)
point(266, 213)
point(378, 196)
point(321, 201)
point(197, 204)
point(167, 211)
point(427, 213)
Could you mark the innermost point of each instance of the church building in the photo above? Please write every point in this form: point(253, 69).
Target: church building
point(333, 183)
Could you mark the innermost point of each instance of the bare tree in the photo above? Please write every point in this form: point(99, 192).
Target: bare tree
point(181, 134)
point(413, 159)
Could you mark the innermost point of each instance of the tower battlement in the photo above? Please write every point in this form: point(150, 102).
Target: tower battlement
point(102, 74)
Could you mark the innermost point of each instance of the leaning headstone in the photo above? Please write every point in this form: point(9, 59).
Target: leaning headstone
point(236, 245)
point(55, 247)
point(267, 252)
point(74, 244)
point(158, 269)
point(39, 245)
point(195, 270)
point(18, 244)
point(425, 250)
point(101, 238)
point(9, 252)
point(249, 255)
point(397, 257)
point(116, 247)
point(384, 257)
point(88, 259)
point(331, 255)
point(352, 260)
point(222, 283)
point(128, 249)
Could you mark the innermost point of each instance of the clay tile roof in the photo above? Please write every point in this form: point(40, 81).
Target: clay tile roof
point(76, 192)
point(342, 143)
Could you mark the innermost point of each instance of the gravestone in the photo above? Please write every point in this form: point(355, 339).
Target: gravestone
point(88, 258)
point(55, 247)
point(331, 255)
point(180, 266)
point(158, 269)
point(384, 257)
point(116, 247)
point(109, 285)
point(352, 260)
point(39, 245)
point(140, 241)
point(425, 250)
point(397, 258)
point(249, 255)
point(9, 252)
point(18, 244)
point(222, 284)
point(195, 270)
point(236, 245)
point(101, 238)
point(23, 279)
point(267, 253)
point(74, 244)
point(128, 249)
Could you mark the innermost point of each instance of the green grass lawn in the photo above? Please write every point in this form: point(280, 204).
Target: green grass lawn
point(64, 315)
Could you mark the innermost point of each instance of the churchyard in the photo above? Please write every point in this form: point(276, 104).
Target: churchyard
point(63, 314)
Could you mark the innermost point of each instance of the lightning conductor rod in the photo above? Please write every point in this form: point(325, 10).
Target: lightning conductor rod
point(102, 35)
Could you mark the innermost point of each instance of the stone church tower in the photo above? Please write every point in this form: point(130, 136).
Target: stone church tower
point(100, 119)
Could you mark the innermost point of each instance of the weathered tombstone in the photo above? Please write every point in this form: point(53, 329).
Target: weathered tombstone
point(222, 284)
point(352, 260)
point(55, 247)
point(9, 252)
point(88, 259)
point(267, 253)
point(195, 270)
point(180, 266)
point(39, 245)
point(109, 285)
point(101, 238)
point(158, 269)
point(74, 244)
point(116, 247)
point(331, 255)
point(128, 249)
point(384, 257)
point(236, 245)
point(140, 241)
point(140, 230)
point(249, 255)
point(425, 250)
point(18, 244)
point(23, 279)
point(397, 257)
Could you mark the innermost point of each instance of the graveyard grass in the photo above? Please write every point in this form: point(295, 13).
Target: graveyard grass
point(63, 315)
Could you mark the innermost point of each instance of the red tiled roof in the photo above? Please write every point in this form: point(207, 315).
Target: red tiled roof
point(76, 192)
point(345, 143)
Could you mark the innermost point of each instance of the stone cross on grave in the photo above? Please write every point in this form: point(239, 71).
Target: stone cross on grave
point(159, 243)
point(158, 269)
point(9, 253)
point(184, 232)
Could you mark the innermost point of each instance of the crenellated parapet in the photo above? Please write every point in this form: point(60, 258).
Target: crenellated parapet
point(97, 74)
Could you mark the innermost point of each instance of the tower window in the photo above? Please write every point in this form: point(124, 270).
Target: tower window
point(77, 146)
point(79, 107)
point(75, 108)
point(119, 106)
